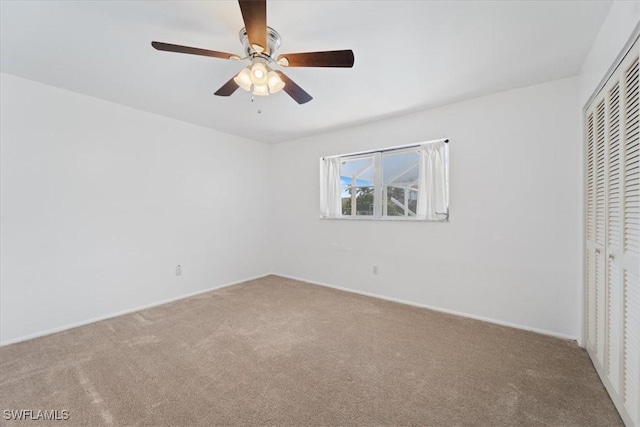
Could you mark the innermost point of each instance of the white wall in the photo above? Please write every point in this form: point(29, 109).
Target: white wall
point(618, 26)
point(100, 202)
point(511, 252)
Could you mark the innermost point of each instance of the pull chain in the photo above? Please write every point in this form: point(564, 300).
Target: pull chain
point(253, 101)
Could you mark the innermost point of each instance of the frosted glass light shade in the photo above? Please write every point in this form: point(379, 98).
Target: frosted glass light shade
point(259, 74)
point(260, 90)
point(243, 79)
point(274, 82)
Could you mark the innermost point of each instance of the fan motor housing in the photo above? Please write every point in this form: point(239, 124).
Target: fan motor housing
point(273, 43)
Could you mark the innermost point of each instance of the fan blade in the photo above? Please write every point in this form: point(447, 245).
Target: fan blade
point(228, 88)
point(254, 15)
point(168, 47)
point(332, 58)
point(293, 90)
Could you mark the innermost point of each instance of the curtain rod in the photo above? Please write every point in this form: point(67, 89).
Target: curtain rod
point(395, 147)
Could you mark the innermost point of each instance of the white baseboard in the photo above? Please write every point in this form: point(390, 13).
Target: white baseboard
point(430, 307)
point(369, 294)
point(123, 312)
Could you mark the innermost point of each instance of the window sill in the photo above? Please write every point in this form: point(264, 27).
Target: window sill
point(384, 218)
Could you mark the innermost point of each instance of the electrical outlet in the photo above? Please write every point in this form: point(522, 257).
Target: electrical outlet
point(178, 270)
point(375, 269)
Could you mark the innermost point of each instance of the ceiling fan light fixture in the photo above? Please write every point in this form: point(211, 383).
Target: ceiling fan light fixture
point(259, 73)
point(261, 43)
point(260, 90)
point(274, 82)
point(243, 79)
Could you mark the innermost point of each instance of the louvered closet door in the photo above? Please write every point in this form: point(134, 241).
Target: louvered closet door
point(599, 252)
point(612, 203)
point(596, 212)
point(591, 235)
point(614, 239)
point(630, 259)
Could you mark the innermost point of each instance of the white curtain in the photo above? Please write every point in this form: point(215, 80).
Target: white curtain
point(432, 187)
point(330, 188)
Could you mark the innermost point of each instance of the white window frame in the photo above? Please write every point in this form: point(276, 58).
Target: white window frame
point(379, 213)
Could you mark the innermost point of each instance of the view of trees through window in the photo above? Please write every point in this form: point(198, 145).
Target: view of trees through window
point(395, 201)
point(398, 173)
point(364, 201)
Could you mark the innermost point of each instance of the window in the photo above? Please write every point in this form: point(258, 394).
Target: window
point(406, 183)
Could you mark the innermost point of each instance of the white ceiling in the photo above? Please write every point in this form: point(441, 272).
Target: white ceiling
point(410, 55)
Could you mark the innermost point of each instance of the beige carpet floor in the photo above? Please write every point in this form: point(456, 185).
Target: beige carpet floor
point(276, 351)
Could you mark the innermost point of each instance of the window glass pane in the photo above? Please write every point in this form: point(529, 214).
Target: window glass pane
point(400, 173)
point(400, 201)
point(363, 202)
point(361, 169)
point(357, 181)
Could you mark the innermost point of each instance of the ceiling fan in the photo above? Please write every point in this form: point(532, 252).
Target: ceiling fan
point(261, 44)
